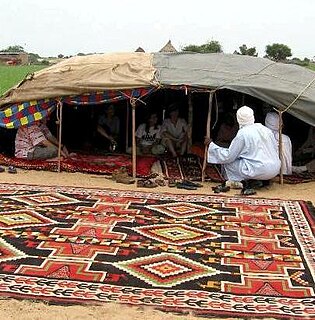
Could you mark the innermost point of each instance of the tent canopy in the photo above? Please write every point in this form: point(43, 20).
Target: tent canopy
point(275, 83)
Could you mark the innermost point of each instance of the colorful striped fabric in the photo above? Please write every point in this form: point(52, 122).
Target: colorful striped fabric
point(26, 113)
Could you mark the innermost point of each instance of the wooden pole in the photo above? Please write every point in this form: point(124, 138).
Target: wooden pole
point(207, 135)
point(190, 121)
point(59, 116)
point(281, 147)
point(134, 146)
point(127, 124)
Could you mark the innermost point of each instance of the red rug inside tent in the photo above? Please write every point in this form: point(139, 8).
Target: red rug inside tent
point(105, 164)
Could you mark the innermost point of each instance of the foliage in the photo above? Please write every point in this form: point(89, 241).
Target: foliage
point(12, 75)
point(13, 49)
point(33, 58)
point(209, 47)
point(278, 52)
point(247, 51)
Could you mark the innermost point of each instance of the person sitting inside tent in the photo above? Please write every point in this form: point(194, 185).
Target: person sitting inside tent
point(174, 132)
point(272, 122)
point(149, 137)
point(307, 150)
point(227, 130)
point(252, 155)
point(108, 126)
point(36, 142)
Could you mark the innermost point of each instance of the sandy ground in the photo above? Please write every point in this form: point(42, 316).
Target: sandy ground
point(12, 309)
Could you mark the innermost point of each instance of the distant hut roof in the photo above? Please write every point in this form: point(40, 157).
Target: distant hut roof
point(140, 50)
point(168, 48)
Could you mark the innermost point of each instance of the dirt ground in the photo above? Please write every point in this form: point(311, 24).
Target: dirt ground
point(11, 309)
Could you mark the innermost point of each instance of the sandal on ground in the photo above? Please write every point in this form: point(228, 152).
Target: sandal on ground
point(2, 169)
point(181, 185)
point(248, 192)
point(172, 183)
point(221, 188)
point(125, 180)
point(150, 184)
point(191, 183)
point(12, 169)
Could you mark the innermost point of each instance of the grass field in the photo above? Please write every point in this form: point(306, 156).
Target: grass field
point(11, 75)
point(312, 66)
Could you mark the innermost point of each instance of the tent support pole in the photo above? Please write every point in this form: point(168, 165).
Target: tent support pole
point(134, 147)
point(59, 115)
point(127, 125)
point(190, 121)
point(280, 146)
point(208, 136)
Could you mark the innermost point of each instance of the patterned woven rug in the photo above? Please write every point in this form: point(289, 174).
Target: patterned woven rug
point(223, 256)
point(189, 168)
point(296, 178)
point(105, 164)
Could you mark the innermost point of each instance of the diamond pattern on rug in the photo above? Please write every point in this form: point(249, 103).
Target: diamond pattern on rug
point(177, 234)
point(165, 270)
point(209, 255)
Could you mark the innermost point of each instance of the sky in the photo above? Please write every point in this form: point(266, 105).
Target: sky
point(52, 27)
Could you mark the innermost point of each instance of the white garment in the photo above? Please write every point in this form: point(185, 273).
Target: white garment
point(150, 137)
point(272, 122)
point(245, 116)
point(177, 130)
point(253, 154)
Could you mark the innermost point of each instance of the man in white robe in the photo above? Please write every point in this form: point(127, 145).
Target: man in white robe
point(253, 153)
point(272, 122)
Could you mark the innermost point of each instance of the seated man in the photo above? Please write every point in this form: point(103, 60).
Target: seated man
point(272, 122)
point(307, 150)
point(253, 153)
point(174, 132)
point(149, 137)
point(35, 141)
point(227, 131)
point(108, 126)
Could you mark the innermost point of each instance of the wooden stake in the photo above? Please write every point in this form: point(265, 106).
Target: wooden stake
point(127, 125)
point(134, 146)
point(190, 121)
point(280, 147)
point(208, 136)
point(59, 116)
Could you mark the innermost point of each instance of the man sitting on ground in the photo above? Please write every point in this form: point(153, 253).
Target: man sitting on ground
point(272, 122)
point(174, 132)
point(252, 155)
point(35, 141)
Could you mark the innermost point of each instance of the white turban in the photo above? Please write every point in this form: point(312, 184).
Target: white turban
point(272, 121)
point(245, 116)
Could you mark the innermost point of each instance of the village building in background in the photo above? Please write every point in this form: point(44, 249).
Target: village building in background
point(14, 58)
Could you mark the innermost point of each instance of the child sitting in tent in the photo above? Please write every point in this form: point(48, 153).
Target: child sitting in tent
point(174, 132)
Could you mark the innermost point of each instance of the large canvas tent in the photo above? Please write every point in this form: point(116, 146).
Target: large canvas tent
point(103, 78)
point(281, 85)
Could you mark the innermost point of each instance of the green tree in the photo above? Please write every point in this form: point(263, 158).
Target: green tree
point(209, 47)
point(13, 49)
point(246, 51)
point(278, 52)
point(33, 58)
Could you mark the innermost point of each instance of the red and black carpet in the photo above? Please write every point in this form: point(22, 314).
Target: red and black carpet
point(223, 256)
point(105, 164)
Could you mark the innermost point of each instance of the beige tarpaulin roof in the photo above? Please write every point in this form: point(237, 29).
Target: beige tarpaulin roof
point(83, 74)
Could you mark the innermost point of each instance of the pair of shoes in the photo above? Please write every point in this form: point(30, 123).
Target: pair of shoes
point(146, 183)
point(12, 169)
point(181, 185)
point(248, 191)
point(221, 188)
point(192, 184)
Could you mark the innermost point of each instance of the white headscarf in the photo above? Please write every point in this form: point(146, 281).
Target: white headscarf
point(272, 121)
point(245, 116)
